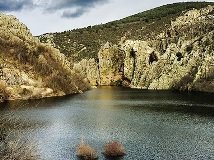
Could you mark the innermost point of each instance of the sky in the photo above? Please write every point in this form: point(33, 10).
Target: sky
point(45, 16)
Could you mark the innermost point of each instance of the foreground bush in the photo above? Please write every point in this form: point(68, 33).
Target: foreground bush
point(114, 149)
point(86, 152)
point(12, 145)
point(17, 150)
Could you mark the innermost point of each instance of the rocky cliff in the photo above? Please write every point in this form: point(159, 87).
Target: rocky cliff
point(181, 57)
point(30, 69)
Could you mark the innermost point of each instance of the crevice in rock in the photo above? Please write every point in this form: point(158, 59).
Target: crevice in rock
point(153, 58)
point(179, 56)
point(98, 67)
point(133, 55)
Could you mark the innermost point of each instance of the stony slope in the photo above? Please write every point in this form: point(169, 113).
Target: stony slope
point(181, 57)
point(30, 69)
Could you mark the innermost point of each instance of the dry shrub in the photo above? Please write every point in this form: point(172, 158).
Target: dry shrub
point(12, 145)
point(86, 152)
point(18, 150)
point(114, 149)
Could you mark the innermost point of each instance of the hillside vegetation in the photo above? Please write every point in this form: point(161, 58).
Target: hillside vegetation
point(30, 69)
point(86, 42)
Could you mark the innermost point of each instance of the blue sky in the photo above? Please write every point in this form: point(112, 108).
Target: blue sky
point(43, 16)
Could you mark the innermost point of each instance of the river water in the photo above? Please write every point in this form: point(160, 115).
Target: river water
point(158, 125)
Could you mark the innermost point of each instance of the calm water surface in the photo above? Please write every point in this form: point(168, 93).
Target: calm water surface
point(158, 125)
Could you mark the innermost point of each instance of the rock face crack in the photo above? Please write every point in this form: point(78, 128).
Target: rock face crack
point(133, 55)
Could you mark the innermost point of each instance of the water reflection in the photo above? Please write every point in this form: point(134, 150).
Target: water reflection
point(151, 124)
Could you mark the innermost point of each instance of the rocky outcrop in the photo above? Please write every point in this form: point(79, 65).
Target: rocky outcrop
point(180, 58)
point(111, 64)
point(30, 69)
point(106, 70)
point(88, 69)
point(184, 55)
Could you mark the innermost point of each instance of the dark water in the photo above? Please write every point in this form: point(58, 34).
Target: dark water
point(151, 124)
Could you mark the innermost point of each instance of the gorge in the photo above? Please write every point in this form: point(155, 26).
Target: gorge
point(178, 58)
point(146, 81)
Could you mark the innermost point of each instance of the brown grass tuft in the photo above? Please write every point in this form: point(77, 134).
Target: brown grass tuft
point(86, 152)
point(114, 149)
point(18, 150)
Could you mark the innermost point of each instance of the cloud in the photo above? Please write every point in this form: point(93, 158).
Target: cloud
point(80, 6)
point(67, 8)
point(64, 4)
point(74, 14)
point(14, 5)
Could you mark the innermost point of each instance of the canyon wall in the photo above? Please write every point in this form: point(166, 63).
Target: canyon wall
point(180, 58)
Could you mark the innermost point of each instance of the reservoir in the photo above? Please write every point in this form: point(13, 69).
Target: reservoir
point(152, 125)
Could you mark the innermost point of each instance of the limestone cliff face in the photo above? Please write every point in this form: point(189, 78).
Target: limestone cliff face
point(88, 69)
point(30, 69)
point(182, 57)
point(106, 70)
point(136, 63)
point(110, 64)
